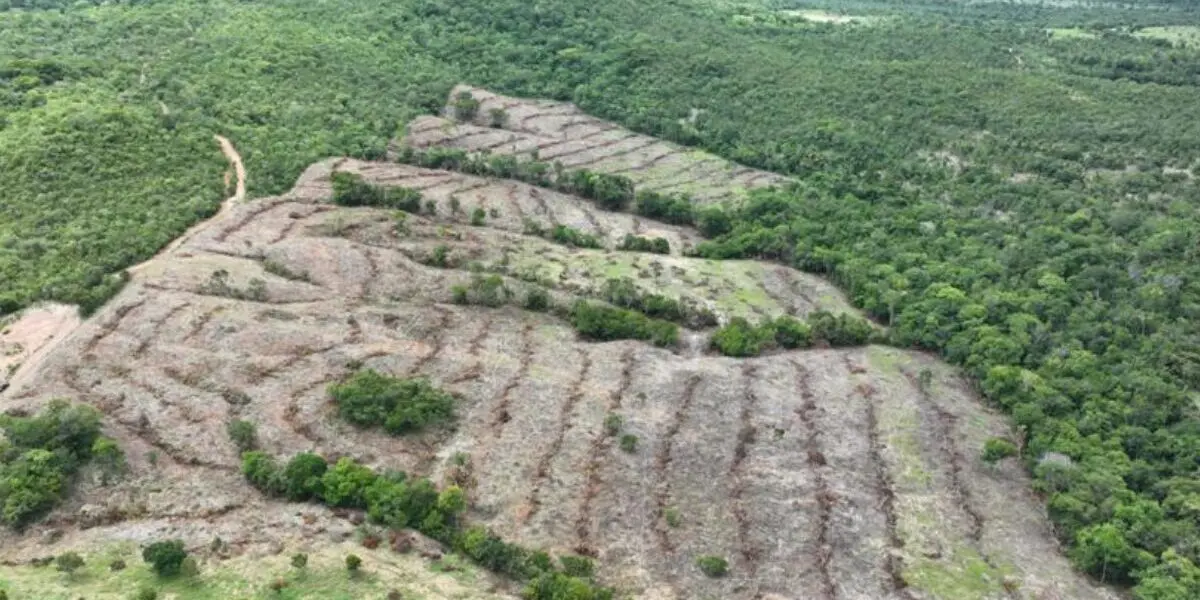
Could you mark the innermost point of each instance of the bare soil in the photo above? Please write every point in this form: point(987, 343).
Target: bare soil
point(823, 473)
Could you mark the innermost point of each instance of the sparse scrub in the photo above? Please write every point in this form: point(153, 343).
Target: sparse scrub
point(487, 290)
point(353, 563)
point(636, 243)
point(537, 299)
point(613, 423)
point(281, 270)
point(739, 338)
point(629, 443)
point(218, 285)
point(478, 217)
point(672, 517)
point(68, 562)
point(624, 293)
point(400, 405)
point(497, 118)
point(998, 449)
point(244, 434)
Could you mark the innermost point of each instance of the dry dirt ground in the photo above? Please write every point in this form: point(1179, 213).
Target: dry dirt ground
point(825, 474)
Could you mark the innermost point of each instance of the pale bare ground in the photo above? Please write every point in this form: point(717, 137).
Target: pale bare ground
point(560, 132)
point(31, 335)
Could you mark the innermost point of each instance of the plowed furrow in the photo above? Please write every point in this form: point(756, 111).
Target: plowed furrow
point(511, 203)
point(602, 128)
point(291, 414)
point(111, 325)
point(543, 206)
point(582, 148)
point(372, 274)
point(600, 443)
point(245, 220)
point(512, 139)
point(548, 111)
point(750, 554)
point(815, 459)
point(439, 334)
point(662, 464)
point(146, 342)
point(593, 161)
point(574, 396)
point(501, 416)
point(294, 359)
point(199, 324)
point(475, 370)
point(884, 487)
point(286, 232)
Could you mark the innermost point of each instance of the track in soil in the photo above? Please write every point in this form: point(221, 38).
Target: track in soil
point(662, 463)
point(600, 443)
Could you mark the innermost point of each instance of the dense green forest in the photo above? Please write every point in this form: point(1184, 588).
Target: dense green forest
point(1009, 184)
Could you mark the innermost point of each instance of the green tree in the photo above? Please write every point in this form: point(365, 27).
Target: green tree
point(165, 557)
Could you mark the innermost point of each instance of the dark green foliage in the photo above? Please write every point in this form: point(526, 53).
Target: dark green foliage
point(713, 566)
point(350, 189)
point(368, 399)
point(997, 449)
point(713, 221)
point(741, 339)
point(116, 565)
point(478, 217)
point(299, 560)
point(628, 443)
point(353, 563)
point(560, 586)
point(569, 236)
point(465, 106)
point(68, 562)
point(346, 484)
point(146, 593)
point(303, 477)
point(842, 329)
point(165, 557)
point(261, 470)
point(637, 243)
point(40, 454)
point(497, 117)
point(244, 434)
point(537, 299)
point(624, 293)
point(792, 333)
point(603, 323)
point(673, 209)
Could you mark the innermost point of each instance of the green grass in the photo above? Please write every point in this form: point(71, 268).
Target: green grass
point(325, 578)
point(1179, 34)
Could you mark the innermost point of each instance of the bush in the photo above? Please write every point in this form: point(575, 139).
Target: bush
point(244, 435)
point(263, 473)
point(302, 477)
point(997, 449)
point(146, 593)
point(569, 236)
point(537, 299)
point(637, 243)
point(612, 423)
point(116, 565)
point(497, 118)
point(843, 329)
point(401, 405)
point(629, 443)
point(713, 566)
point(741, 339)
point(713, 222)
point(478, 217)
point(350, 189)
point(346, 484)
point(166, 557)
point(559, 586)
point(353, 563)
point(299, 560)
point(68, 562)
point(605, 323)
point(189, 567)
point(577, 566)
point(465, 106)
point(487, 290)
point(792, 333)
point(675, 209)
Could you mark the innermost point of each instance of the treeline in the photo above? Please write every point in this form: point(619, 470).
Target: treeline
point(40, 455)
point(740, 338)
point(396, 501)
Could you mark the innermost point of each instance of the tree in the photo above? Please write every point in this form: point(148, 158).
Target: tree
point(165, 557)
point(303, 477)
point(346, 484)
point(244, 435)
point(353, 563)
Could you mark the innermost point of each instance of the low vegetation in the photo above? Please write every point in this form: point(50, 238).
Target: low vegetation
point(396, 501)
point(400, 406)
point(603, 323)
point(624, 293)
point(739, 338)
point(40, 454)
point(350, 189)
point(637, 243)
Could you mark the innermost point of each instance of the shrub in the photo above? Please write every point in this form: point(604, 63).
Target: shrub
point(68, 562)
point(559, 586)
point(244, 435)
point(263, 473)
point(353, 563)
point(302, 477)
point(674, 209)
point(350, 189)
point(741, 339)
point(713, 566)
point(537, 299)
point(487, 290)
point(116, 565)
point(605, 323)
point(841, 330)
point(569, 236)
point(402, 405)
point(497, 118)
point(629, 443)
point(792, 333)
point(636, 243)
point(672, 516)
point(189, 567)
point(109, 457)
point(623, 292)
point(478, 217)
point(166, 557)
point(612, 423)
point(577, 566)
point(997, 449)
point(346, 484)
point(299, 560)
point(146, 593)
point(713, 221)
point(465, 106)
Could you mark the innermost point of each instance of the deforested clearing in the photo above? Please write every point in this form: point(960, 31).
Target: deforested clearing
point(833, 473)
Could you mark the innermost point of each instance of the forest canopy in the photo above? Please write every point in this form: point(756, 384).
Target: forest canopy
point(1012, 185)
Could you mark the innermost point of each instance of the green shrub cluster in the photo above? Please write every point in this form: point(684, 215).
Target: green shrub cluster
point(637, 243)
point(370, 399)
point(624, 293)
point(40, 454)
point(569, 236)
point(397, 501)
point(488, 290)
point(350, 189)
point(675, 209)
point(165, 557)
point(739, 338)
point(604, 323)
